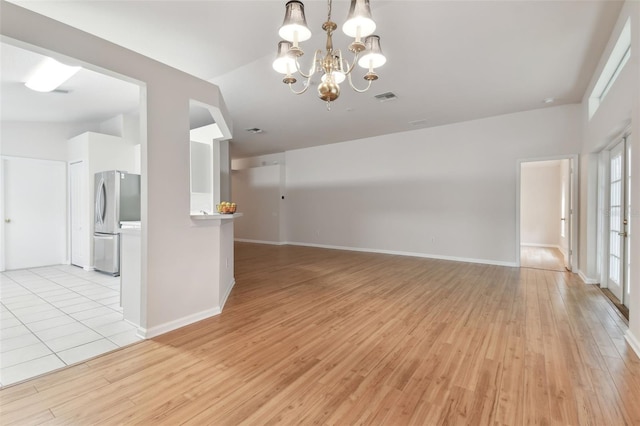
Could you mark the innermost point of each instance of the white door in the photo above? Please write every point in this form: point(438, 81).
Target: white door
point(35, 212)
point(565, 212)
point(617, 221)
point(77, 211)
point(627, 223)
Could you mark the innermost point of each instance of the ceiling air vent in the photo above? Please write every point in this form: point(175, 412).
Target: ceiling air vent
point(387, 96)
point(422, 122)
point(254, 130)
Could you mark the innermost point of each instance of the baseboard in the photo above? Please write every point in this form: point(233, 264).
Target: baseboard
point(141, 333)
point(633, 342)
point(586, 279)
point(178, 323)
point(274, 243)
point(226, 295)
point(407, 253)
point(541, 245)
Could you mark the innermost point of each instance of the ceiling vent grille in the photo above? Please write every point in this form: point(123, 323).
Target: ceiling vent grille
point(254, 130)
point(422, 122)
point(387, 96)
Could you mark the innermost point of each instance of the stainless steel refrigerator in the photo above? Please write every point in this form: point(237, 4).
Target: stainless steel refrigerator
point(117, 199)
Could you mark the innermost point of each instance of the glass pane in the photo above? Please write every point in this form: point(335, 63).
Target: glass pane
point(614, 269)
point(614, 243)
point(615, 193)
point(614, 219)
point(616, 168)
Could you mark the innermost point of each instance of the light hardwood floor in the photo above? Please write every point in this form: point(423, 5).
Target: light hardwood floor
point(314, 336)
point(542, 258)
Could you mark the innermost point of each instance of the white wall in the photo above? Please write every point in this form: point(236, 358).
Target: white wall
point(45, 141)
point(226, 260)
point(540, 206)
point(176, 292)
point(447, 192)
point(619, 110)
point(222, 163)
point(256, 190)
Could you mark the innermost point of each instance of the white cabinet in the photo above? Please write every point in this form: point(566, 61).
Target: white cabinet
point(130, 275)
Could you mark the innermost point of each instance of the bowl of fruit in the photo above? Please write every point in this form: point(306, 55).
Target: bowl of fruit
point(225, 207)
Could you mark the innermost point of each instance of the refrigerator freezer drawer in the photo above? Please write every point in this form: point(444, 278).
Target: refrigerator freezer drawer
point(106, 253)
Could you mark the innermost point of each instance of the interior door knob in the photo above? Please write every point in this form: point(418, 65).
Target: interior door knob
point(622, 234)
point(7, 220)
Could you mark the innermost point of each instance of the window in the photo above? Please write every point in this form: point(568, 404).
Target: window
point(617, 60)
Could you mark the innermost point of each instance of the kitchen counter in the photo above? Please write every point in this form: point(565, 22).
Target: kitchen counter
point(130, 274)
point(130, 224)
point(215, 216)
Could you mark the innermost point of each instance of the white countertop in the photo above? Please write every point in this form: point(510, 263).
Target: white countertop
point(130, 224)
point(215, 216)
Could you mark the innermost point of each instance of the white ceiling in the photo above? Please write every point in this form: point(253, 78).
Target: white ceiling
point(86, 97)
point(448, 61)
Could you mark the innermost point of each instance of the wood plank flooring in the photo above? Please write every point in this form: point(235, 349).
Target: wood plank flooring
point(542, 258)
point(314, 336)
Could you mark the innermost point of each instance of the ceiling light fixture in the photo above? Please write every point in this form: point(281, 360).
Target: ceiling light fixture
point(334, 69)
point(49, 75)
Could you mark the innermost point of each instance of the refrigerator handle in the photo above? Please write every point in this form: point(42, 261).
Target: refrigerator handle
point(101, 203)
point(103, 237)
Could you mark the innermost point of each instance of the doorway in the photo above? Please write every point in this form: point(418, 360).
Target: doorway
point(59, 314)
point(615, 259)
point(546, 234)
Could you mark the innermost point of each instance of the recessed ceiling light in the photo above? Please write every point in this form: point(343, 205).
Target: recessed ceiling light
point(49, 75)
point(549, 100)
point(254, 130)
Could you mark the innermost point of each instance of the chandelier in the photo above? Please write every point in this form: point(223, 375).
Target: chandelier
point(333, 67)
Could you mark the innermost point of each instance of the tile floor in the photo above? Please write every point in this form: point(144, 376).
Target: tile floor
point(56, 316)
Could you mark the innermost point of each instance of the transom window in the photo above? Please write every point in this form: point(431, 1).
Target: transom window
point(617, 60)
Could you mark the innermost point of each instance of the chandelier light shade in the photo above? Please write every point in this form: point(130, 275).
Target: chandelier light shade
point(284, 63)
point(359, 22)
point(373, 57)
point(294, 28)
point(334, 69)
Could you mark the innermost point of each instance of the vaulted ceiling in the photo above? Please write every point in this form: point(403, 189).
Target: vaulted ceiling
point(448, 61)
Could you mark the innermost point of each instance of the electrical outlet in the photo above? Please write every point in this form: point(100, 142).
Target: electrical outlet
point(226, 262)
point(433, 239)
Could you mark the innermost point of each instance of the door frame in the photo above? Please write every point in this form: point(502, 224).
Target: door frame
point(604, 172)
point(2, 217)
point(573, 222)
